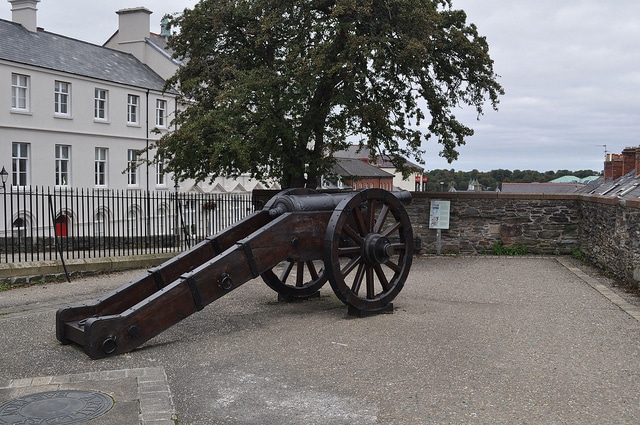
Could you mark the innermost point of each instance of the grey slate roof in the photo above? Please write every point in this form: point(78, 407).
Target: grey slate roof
point(627, 186)
point(541, 187)
point(349, 167)
point(355, 151)
point(46, 50)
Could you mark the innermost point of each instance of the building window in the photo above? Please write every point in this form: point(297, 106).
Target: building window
point(100, 224)
point(19, 92)
point(161, 113)
point(62, 98)
point(21, 227)
point(133, 103)
point(63, 165)
point(100, 167)
point(161, 177)
point(20, 164)
point(132, 167)
point(101, 105)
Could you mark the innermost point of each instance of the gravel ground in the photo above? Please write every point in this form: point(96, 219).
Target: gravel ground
point(472, 340)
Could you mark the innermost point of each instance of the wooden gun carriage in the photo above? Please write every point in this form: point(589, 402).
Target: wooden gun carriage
point(361, 242)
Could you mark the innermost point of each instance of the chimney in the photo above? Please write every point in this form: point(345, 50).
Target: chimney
point(608, 168)
point(133, 30)
point(24, 12)
point(628, 160)
point(616, 166)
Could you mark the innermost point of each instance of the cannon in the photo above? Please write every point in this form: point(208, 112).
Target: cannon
point(361, 242)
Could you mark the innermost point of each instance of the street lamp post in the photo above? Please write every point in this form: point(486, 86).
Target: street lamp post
point(4, 174)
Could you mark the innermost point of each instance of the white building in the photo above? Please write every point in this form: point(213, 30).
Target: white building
point(76, 115)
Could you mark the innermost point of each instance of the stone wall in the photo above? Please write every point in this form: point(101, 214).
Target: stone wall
point(610, 235)
point(605, 230)
point(543, 224)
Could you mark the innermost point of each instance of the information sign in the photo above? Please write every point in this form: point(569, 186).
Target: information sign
point(439, 214)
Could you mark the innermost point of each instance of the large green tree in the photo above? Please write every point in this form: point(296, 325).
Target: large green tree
point(274, 87)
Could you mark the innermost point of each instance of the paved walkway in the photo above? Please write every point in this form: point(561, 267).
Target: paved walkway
point(472, 340)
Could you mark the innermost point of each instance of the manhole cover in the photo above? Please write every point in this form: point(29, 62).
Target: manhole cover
point(55, 407)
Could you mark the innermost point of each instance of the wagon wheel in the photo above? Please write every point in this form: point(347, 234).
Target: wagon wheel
point(296, 280)
point(368, 250)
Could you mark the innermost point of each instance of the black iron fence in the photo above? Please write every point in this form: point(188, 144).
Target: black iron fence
point(42, 223)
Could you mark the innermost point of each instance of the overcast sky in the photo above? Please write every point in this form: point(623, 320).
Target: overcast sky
point(570, 69)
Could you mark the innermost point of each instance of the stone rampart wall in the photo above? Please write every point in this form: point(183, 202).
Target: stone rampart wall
point(605, 230)
point(610, 235)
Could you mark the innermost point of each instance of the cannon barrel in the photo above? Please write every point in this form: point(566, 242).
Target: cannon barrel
point(291, 202)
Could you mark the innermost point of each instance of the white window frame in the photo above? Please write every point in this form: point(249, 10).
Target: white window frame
point(20, 93)
point(101, 104)
point(133, 109)
point(101, 167)
point(62, 165)
point(132, 168)
point(20, 163)
point(161, 176)
point(161, 113)
point(62, 99)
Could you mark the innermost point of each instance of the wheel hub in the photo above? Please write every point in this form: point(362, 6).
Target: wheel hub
point(376, 249)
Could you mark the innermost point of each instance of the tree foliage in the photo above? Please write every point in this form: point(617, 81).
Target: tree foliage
point(490, 180)
point(274, 87)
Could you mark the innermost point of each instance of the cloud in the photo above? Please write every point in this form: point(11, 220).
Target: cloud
point(569, 70)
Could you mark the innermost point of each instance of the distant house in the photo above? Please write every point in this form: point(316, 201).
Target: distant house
point(354, 174)
point(383, 162)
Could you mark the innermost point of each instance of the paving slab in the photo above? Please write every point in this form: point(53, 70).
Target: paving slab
point(473, 340)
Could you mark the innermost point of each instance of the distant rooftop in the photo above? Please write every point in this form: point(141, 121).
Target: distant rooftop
point(383, 161)
point(627, 186)
point(540, 187)
point(350, 167)
point(574, 179)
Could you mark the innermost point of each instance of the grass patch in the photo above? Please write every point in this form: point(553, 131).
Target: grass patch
point(500, 249)
point(578, 255)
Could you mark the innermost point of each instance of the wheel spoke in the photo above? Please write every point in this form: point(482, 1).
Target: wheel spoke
point(371, 284)
point(357, 281)
point(299, 274)
point(392, 229)
point(312, 270)
point(393, 266)
point(353, 234)
point(372, 213)
point(381, 218)
point(384, 282)
point(357, 215)
point(347, 250)
point(287, 270)
point(348, 268)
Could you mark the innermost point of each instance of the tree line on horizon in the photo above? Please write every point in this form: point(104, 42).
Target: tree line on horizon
point(489, 180)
